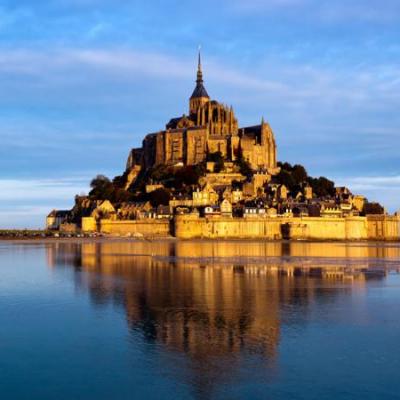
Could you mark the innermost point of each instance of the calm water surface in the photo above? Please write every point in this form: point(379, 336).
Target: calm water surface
point(199, 320)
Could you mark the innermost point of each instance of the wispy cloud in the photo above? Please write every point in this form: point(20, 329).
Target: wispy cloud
point(326, 11)
point(296, 82)
point(24, 203)
point(328, 106)
point(43, 189)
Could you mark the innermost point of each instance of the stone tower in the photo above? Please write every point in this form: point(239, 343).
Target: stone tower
point(199, 95)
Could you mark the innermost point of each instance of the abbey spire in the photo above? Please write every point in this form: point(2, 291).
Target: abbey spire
point(199, 71)
point(199, 95)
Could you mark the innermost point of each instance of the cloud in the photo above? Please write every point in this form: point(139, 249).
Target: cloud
point(262, 5)
point(95, 97)
point(41, 189)
point(291, 82)
point(97, 30)
point(325, 11)
point(24, 203)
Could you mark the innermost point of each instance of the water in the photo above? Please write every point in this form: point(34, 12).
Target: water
point(199, 320)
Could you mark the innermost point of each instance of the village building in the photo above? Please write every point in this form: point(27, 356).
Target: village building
point(56, 218)
point(308, 192)
point(104, 210)
point(282, 192)
point(226, 208)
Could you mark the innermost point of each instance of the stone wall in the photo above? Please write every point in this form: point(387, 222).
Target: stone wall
point(88, 224)
point(147, 228)
point(306, 228)
point(270, 228)
point(188, 226)
point(383, 228)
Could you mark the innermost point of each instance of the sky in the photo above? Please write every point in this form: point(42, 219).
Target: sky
point(82, 82)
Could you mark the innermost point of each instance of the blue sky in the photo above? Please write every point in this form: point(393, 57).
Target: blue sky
point(82, 81)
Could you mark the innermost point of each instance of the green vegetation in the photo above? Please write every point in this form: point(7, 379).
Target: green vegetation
point(296, 176)
point(244, 167)
point(176, 177)
point(159, 196)
point(373, 208)
point(218, 159)
point(104, 189)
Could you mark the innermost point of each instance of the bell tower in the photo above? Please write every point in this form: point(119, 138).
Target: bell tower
point(199, 95)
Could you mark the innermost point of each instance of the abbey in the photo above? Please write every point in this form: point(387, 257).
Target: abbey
point(209, 127)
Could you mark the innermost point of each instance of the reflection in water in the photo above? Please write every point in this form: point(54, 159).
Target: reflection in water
point(213, 301)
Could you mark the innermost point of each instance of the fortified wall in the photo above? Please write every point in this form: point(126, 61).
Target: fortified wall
point(146, 228)
point(306, 228)
point(377, 227)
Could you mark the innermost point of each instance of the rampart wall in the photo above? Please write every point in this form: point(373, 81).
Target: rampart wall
point(270, 228)
point(147, 228)
point(307, 228)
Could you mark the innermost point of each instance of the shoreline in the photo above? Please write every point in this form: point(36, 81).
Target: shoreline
point(37, 238)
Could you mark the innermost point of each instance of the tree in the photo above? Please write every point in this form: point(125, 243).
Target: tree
point(322, 186)
point(160, 196)
point(102, 188)
point(218, 159)
point(188, 175)
point(120, 181)
point(159, 173)
point(373, 208)
point(285, 178)
point(299, 174)
point(286, 166)
point(244, 166)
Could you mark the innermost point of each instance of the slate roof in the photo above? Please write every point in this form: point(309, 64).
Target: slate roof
point(199, 91)
point(59, 213)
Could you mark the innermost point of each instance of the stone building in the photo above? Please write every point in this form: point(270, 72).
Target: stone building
point(208, 127)
point(56, 218)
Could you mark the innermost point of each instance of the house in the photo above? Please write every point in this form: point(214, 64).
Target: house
point(299, 196)
point(145, 210)
point(342, 190)
point(314, 210)
point(236, 196)
point(308, 192)
point(226, 208)
point(104, 210)
point(127, 211)
point(211, 211)
point(282, 192)
point(164, 212)
point(358, 202)
point(252, 210)
point(227, 193)
point(300, 211)
point(206, 196)
point(56, 218)
point(182, 210)
point(330, 210)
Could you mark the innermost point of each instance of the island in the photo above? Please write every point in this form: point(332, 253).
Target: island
point(204, 176)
